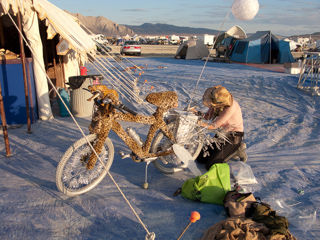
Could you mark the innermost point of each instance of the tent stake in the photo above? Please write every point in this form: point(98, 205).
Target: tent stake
point(4, 126)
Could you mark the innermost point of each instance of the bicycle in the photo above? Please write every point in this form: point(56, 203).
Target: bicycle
point(87, 161)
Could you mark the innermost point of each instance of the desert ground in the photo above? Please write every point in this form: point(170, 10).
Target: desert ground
point(281, 133)
point(152, 50)
point(168, 51)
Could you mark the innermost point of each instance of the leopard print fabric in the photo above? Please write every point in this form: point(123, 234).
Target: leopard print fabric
point(106, 118)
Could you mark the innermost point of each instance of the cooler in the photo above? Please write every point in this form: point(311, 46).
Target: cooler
point(12, 86)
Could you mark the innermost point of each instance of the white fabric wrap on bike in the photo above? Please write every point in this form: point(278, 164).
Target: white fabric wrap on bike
point(186, 158)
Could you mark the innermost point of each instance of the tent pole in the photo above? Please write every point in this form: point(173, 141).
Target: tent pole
point(2, 40)
point(23, 61)
point(63, 74)
point(270, 49)
point(4, 126)
point(30, 92)
point(54, 63)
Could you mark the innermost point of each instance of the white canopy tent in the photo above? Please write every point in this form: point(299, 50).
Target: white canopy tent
point(75, 42)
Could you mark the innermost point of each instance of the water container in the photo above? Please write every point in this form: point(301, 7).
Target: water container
point(132, 133)
point(83, 70)
point(65, 97)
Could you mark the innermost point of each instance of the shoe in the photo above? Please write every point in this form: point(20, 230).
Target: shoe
point(232, 156)
point(242, 153)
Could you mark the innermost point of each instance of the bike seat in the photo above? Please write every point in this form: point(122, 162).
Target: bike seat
point(163, 100)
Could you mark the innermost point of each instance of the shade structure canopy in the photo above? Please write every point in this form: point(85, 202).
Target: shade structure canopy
point(57, 20)
point(77, 44)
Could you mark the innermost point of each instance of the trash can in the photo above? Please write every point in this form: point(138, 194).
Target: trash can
point(79, 105)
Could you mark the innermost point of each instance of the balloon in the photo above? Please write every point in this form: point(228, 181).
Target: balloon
point(245, 9)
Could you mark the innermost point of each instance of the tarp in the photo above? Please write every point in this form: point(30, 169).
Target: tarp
point(31, 29)
point(192, 49)
point(58, 21)
point(262, 47)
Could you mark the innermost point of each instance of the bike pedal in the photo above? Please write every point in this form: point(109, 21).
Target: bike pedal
point(123, 156)
point(149, 159)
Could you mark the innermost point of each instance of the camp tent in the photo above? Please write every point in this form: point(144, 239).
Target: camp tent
point(72, 41)
point(262, 47)
point(192, 49)
point(235, 31)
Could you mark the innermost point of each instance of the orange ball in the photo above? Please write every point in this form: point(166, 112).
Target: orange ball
point(194, 216)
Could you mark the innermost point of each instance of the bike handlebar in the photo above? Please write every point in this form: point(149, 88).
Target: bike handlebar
point(120, 106)
point(125, 108)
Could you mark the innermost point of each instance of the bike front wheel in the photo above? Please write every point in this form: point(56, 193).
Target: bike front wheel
point(72, 176)
point(171, 163)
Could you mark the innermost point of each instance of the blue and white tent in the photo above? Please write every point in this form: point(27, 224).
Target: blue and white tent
point(262, 47)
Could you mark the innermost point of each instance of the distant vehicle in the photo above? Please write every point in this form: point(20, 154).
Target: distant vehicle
point(103, 49)
point(99, 38)
point(183, 39)
point(207, 39)
point(225, 48)
point(130, 47)
point(162, 41)
point(174, 40)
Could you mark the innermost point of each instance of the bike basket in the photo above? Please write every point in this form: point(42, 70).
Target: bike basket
point(185, 127)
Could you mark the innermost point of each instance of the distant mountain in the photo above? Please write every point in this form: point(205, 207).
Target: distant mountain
point(103, 25)
point(108, 28)
point(167, 29)
point(314, 36)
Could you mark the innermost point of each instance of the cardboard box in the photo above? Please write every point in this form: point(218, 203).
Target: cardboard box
point(291, 65)
point(292, 70)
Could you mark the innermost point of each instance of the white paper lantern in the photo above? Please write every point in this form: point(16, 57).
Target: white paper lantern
point(245, 9)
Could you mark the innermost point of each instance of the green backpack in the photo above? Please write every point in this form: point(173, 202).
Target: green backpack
point(210, 187)
point(265, 214)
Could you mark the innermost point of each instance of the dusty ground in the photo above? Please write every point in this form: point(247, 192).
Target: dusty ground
point(152, 50)
point(167, 51)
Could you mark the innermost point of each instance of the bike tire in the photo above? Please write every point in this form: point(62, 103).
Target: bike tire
point(72, 176)
point(171, 164)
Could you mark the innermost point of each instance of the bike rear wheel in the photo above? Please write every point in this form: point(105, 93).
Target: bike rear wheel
point(72, 176)
point(171, 163)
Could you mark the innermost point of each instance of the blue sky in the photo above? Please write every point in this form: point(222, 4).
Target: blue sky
point(282, 17)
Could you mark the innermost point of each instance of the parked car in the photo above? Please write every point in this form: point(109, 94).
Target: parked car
point(130, 47)
point(103, 49)
point(225, 48)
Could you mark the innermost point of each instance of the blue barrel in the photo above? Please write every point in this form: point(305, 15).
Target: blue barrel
point(65, 97)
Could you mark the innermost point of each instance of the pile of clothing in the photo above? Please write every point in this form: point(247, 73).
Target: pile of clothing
point(243, 228)
point(6, 54)
point(249, 219)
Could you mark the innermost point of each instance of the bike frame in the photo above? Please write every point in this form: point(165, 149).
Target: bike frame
point(109, 119)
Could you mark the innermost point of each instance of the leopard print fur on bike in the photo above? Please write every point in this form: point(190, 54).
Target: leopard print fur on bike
point(106, 118)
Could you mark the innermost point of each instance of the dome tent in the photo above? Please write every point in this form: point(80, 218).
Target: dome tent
point(192, 49)
point(262, 47)
point(235, 31)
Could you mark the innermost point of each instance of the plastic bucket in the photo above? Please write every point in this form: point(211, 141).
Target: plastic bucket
point(65, 97)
